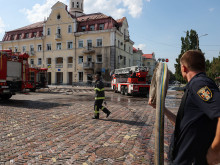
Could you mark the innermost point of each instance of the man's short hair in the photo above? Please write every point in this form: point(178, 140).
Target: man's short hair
point(194, 60)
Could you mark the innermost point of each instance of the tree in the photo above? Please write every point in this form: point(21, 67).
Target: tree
point(213, 70)
point(188, 43)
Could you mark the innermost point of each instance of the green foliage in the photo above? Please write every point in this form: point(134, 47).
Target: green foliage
point(213, 68)
point(188, 43)
point(172, 76)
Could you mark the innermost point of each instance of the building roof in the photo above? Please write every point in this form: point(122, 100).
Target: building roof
point(149, 56)
point(135, 50)
point(32, 26)
point(121, 20)
point(93, 16)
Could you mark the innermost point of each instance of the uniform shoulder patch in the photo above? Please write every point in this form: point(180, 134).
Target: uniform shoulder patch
point(205, 93)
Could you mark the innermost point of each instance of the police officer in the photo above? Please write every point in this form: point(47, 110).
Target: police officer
point(99, 98)
point(196, 138)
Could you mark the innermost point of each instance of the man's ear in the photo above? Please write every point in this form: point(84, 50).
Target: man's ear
point(185, 69)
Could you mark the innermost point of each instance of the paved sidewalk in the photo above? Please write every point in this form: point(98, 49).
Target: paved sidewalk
point(56, 128)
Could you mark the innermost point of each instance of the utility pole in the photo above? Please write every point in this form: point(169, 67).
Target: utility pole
point(197, 46)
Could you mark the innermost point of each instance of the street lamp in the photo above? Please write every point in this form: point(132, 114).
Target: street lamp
point(197, 46)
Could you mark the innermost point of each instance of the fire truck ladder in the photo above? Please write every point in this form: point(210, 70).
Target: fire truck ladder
point(127, 70)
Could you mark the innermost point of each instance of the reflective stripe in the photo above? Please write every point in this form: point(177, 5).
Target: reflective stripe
point(99, 89)
point(96, 112)
point(99, 98)
point(103, 108)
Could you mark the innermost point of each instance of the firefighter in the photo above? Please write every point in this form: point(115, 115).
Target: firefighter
point(99, 98)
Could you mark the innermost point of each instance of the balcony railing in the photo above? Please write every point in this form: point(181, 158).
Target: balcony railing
point(58, 36)
point(69, 65)
point(88, 49)
point(126, 38)
point(88, 65)
point(32, 53)
point(59, 65)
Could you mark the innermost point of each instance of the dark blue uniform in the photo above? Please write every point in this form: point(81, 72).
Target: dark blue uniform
point(196, 123)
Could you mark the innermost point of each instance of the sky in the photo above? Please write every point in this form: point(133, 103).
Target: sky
point(154, 25)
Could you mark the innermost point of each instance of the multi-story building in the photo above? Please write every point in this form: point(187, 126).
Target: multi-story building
point(73, 45)
point(137, 57)
point(149, 61)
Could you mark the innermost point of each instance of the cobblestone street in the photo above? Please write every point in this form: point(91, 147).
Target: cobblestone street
point(56, 127)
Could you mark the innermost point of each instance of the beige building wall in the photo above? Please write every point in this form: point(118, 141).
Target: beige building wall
point(68, 63)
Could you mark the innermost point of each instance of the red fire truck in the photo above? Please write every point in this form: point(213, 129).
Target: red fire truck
point(37, 78)
point(15, 74)
point(130, 81)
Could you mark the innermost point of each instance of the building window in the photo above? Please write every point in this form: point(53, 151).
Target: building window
point(69, 45)
point(59, 46)
point(48, 31)
point(39, 61)
point(99, 42)
point(58, 30)
point(124, 60)
point(124, 47)
point(99, 58)
point(80, 60)
point(70, 60)
point(77, 4)
point(73, 4)
point(48, 61)
point(39, 48)
point(80, 44)
point(83, 28)
point(58, 16)
point(26, 35)
point(34, 34)
point(101, 26)
point(118, 43)
point(23, 49)
point(92, 27)
point(89, 44)
point(32, 61)
point(16, 49)
point(59, 60)
point(69, 29)
point(31, 48)
point(80, 76)
point(48, 47)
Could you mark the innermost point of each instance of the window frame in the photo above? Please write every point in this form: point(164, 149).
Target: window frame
point(68, 45)
point(99, 62)
point(80, 61)
point(49, 44)
point(39, 61)
point(58, 46)
point(79, 43)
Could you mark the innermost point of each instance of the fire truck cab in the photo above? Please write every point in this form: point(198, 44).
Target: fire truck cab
point(130, 81)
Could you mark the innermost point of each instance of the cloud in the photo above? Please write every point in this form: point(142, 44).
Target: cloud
point(2, 26)
point(211, 9)
point(115, 8)
point(39, 12)
point(142, 47)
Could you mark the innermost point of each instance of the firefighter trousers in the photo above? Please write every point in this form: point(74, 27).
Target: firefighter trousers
point(97, 107)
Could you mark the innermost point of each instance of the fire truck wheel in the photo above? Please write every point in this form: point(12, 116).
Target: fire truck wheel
point(126, 91)
point(6, 97)
point(123, 90)
point(33, 89)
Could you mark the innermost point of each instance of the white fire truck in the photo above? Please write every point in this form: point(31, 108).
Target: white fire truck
point(130, 81)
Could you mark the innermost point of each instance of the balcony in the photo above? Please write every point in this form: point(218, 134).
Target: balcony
point(58, 37)
point(88, 65)
point(88, 50)
point(59, 65)
point(126, 38)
